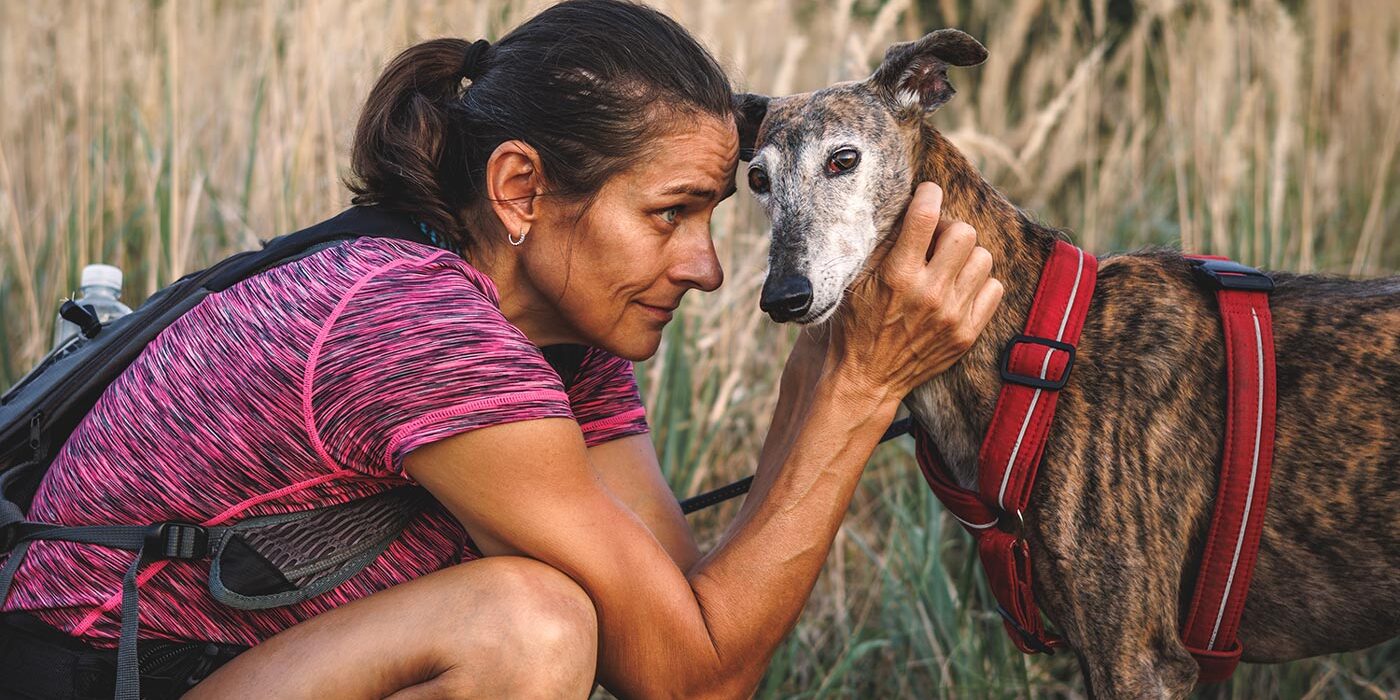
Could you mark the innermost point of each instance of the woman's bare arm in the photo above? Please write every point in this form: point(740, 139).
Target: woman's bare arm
point(629, 469)
point(711, 631)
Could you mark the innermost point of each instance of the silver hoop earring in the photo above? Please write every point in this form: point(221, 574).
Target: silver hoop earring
point(517, 241)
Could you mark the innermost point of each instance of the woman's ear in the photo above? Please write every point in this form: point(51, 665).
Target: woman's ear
point(514, 175)
point(914, 74)
point(749, 111)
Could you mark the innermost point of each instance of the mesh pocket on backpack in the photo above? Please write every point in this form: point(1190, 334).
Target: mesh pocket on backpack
point(282, 559)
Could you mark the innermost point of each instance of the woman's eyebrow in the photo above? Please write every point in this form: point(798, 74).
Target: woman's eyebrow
point(699, 191)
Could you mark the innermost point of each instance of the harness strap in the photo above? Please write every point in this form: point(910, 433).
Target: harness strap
point(167, 540)
point(1242, 491)
point(1034, 368)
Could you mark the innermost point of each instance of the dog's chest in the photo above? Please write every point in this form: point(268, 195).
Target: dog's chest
point(938, 408)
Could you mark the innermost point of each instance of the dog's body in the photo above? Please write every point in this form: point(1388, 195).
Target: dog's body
point(1124, 493)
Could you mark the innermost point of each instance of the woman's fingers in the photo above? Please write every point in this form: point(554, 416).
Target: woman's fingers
point(975, 271)
point(977, 295)
point(931, 299)
point(985, 304)
point(950, 254)
point(916, 234)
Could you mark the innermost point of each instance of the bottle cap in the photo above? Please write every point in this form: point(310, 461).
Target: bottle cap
point(102, 276)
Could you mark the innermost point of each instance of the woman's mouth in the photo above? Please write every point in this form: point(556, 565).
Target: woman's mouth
point(662, 314)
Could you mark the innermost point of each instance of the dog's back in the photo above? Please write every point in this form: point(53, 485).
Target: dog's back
point(1150, 400)
point(1329, 564)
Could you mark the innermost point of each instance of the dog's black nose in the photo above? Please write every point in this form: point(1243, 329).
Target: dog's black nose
point(786, 298)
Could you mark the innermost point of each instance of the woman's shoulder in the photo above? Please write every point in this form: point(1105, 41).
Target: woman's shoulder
point(371, 292)
point(380, 276)
point(371, 259)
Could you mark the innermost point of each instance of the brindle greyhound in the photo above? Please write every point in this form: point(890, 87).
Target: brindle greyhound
point(1123, 498)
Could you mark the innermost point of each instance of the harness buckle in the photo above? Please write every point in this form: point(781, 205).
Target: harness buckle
point(1031, 380)
point(1228, 274)
point(1031, 640)
point(1012, 522)
point(176, 540)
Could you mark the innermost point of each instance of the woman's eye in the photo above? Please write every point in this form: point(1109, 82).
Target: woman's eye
point(758, 181)
point(842, 160)
point(669, 215)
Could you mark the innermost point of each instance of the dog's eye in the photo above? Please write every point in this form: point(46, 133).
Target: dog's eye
point(842, 160)
point(758, 181)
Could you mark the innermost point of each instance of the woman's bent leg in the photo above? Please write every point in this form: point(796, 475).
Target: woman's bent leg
point(493, 627)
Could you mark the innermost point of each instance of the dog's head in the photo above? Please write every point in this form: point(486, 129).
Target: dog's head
point(834, 168)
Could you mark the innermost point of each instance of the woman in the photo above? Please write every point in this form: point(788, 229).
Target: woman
point(571, 170)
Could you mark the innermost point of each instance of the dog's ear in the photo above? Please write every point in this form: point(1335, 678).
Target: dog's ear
point(749, 110)
point(914, 74)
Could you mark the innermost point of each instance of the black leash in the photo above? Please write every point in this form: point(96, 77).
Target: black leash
point(740, 487)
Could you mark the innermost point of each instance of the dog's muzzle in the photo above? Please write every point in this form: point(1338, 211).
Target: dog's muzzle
point(786, 298)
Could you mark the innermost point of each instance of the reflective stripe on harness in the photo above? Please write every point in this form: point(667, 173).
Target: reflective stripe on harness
point(1242, 491)
point(1035, 366)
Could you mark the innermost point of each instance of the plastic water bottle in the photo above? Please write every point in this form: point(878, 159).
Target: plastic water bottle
point(101, 286)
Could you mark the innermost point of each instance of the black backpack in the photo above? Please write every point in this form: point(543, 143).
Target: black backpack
point(257, 562)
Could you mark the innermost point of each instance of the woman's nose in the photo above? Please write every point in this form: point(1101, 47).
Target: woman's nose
point(700, 268)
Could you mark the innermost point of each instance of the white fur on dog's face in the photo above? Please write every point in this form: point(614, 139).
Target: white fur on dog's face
point(823, 227)
point(825, 224)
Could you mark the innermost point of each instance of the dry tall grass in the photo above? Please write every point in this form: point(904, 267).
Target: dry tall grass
point(160, 136)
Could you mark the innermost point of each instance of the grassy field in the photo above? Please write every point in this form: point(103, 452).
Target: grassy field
point(161, 136)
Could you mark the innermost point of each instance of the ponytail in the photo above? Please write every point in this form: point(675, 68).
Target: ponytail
point(408, 142)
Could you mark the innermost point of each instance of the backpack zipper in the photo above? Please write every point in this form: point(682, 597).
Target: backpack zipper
point(149, 662)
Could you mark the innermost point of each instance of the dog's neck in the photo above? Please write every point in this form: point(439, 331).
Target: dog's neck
point(957, 406)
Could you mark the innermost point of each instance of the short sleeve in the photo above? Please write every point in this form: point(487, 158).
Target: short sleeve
point(416, 351)
point(605, 398)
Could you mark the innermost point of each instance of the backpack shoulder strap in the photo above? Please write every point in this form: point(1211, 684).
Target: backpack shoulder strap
point(351, 223)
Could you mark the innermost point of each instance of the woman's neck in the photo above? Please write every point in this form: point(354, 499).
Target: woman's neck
point(520, 301)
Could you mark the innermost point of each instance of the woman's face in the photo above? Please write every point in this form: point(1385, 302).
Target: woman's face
point(616, 274)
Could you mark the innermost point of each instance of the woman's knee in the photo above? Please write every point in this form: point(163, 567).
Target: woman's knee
point(540, 628)
point(544, 605)
point(495, 627)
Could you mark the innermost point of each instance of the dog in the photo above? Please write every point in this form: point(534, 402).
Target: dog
point(1122, 503)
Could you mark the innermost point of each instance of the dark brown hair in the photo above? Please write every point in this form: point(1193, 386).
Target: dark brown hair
point(585, 83)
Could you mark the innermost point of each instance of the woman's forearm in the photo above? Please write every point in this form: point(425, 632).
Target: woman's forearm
point(928, 295)
point(770, 556)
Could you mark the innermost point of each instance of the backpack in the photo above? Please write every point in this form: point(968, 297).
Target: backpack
point(255, 563)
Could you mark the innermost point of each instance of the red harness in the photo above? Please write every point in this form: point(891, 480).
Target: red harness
point(1035, 366)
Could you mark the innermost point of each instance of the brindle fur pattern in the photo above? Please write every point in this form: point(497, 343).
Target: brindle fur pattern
point(1123, 497)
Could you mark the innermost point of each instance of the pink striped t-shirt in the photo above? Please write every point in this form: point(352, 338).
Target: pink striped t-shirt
point(303, 386)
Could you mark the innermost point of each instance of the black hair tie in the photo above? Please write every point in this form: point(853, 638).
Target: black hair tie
point(471, 59)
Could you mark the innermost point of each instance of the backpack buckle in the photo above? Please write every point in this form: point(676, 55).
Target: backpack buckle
point(81, 315)
point(176, 540)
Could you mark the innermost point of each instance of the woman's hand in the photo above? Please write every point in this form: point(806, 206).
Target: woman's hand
point(913, 315)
